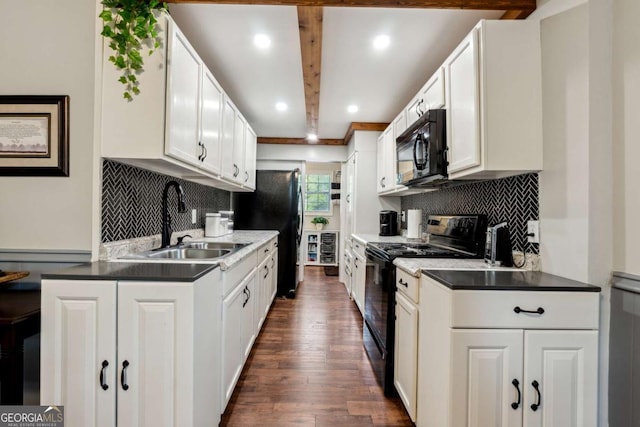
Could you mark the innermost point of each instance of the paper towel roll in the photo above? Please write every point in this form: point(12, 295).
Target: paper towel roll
point(414, 223)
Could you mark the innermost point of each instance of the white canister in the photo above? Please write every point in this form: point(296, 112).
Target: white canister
point(414, 223)
point(212, 224)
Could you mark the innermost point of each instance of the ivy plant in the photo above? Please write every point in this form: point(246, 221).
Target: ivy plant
point(130, 25)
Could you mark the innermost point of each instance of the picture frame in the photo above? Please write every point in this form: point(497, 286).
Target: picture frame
point(34, 135)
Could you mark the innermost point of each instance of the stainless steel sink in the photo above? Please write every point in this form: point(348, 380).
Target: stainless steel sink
point(188, 253)
point(213, 245)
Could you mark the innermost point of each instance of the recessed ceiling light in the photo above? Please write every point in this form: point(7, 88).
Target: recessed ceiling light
point(281, 106)
point(381, 42)
point(352, 108)
point(262, 41)
point(312, 137)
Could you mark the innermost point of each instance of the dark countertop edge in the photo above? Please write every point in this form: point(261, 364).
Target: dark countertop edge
point(546, 288)
point(111, 272)
point(626, 282)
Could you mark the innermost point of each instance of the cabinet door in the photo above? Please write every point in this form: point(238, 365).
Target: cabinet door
point(485, 363)
point(359, 272)
point(78, 335)
point(350, 195)
point(229, 113)
point(238, 148)
point(406, 353)
point(232, 347)
point(263, 292)
point(432, 93)
point(385, 182)
point(399, 126)
point(210, 123)
point(564, 365)
point(248, 315)
point(250, 158)
point(412, 110)
point(274, 279)
point(155, 354)
point(463, 105)
point(183, 99)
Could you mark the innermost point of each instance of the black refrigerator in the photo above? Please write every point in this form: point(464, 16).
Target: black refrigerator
point(276, 204)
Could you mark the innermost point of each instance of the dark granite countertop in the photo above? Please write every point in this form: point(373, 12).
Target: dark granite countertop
point(161, 272)
point(507, 281)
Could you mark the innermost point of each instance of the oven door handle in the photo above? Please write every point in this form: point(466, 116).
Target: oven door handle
point(420, 139)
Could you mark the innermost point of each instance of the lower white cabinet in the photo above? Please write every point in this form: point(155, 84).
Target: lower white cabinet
point(473, 373)
point(405, 368)
point(131, 353)
point(358, 281)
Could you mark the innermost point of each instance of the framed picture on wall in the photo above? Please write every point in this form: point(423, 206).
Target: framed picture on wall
point(34, 135)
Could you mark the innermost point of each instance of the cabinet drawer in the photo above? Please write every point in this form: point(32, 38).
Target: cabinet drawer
point(233, 276)
point(266, 250)
point(407, 284)
point(498, 309)
point(358, 249)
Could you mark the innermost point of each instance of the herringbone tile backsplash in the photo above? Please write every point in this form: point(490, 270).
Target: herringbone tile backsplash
point(513, 199)
point(132, 202)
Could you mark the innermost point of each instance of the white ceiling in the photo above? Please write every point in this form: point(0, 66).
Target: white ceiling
point(353, 72)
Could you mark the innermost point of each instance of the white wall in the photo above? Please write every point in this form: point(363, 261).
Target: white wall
point(626, 135)
point(577, 180)
point(48, 48)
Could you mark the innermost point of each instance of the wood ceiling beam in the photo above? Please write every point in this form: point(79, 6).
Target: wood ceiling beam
point(299, 141)
point(517, 14)
point(363, 126)
point(310, 26)
point(521, 5)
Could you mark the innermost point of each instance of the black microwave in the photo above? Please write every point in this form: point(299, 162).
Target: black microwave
point(421, 151)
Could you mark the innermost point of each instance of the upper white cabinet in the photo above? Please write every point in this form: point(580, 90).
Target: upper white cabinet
point(250, 149)
point(387, 166)
point(178, 125)
point(429, 97)
point(493, 95)
point(184, 78)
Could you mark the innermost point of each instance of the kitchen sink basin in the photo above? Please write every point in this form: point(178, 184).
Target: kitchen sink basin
point(188, 253)
point(208, 252)
point(213, 246)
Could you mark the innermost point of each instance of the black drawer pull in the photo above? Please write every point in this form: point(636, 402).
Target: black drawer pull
point(403, 283)
point(103, 384)
point(267, 273)
point(245, 291)
point(536, 385)
point(516, 384)
point(123, 375)
point(518, 310)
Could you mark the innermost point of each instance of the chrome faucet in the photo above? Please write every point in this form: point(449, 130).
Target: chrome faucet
point(166, 218)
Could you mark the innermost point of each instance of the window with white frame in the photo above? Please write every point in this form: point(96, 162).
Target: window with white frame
point(318, 193)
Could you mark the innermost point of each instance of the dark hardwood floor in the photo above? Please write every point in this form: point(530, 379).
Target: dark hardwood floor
point(308, 366)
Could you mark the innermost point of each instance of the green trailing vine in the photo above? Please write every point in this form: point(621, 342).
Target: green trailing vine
point(129, 25)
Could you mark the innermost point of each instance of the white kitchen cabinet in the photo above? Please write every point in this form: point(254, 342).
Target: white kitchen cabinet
point(238, 331)
point(175, 126)
point(239, 143)
point(149, 346)
point(485, 363)
point(429, 97)
point(229, 115)
point(358, 284)
point(386, 180)
point(406, 352)
point(251, 145)
point(78, 339)
point(184, 79)
point(405, 369)
point(493, 94)
point(210, 123)
point(155, 355)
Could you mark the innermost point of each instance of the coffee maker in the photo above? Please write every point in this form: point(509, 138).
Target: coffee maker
point(388, 223)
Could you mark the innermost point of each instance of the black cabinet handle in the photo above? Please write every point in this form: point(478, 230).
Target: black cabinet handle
point(348, 198)
point(536, 385)
point(103, 384)
point(539, 310)
point(236, 170)
point(204, 152)
point(267, 273)
point(266, 250)
point(382, 181)
point(403, 283)
point(246, 176)
point(123, 375)
point(245, 292)
point(201, 152)
point(273, 263)
point(516, 384)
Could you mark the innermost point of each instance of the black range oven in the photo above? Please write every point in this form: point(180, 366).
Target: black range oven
point(450, 237)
